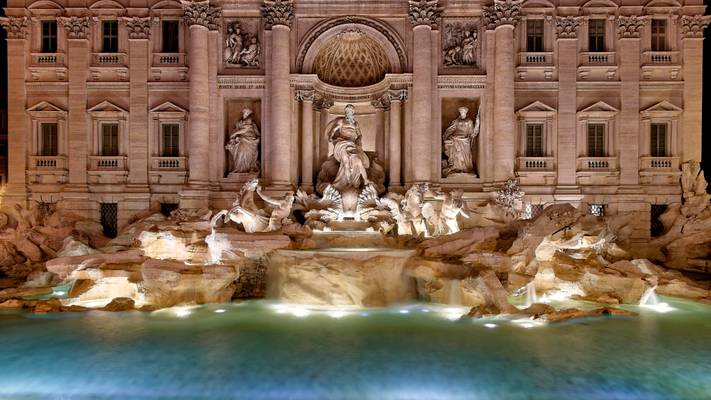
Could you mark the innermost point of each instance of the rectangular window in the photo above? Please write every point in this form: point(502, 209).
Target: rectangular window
point(109, 140)
point(109, 218)
point(534, 140)
point(658, 140)
point(109, 36)
point(659, 35)
point(596, 35)
point(49, 140)
point(171, 36)
point(171, 140)
point(534, 35)
point(49, 36)
point(596, 140)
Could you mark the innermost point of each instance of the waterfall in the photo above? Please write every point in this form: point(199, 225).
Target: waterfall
point(531, 296)
point(649, 298)
point(454, 292)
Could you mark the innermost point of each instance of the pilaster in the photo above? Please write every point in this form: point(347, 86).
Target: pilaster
point(692, 31)
point(138, 157)
point(306, 97)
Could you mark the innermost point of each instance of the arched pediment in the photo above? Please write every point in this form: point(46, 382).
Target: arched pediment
point(313, 41)
point(45, 5)
point(167, 5)
point(537, 4)
point(600, 4)
point(662, 4)
point(106, 5)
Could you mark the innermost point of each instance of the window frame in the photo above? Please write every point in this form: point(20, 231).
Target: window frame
point(175, 141)
point(52, 38)
point(102, 139)
point(600, 37)
point(44, 113)
point(42, 150)
point(659, 41)
point(113, 37)
point(531, 128)
point(163, 36)
point(532, 42)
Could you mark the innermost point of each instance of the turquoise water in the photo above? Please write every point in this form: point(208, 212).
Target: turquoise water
point(256, 350)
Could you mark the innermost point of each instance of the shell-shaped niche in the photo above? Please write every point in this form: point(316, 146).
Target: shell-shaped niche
point(351, 59)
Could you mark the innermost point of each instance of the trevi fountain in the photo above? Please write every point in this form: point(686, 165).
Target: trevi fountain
point(354, 229)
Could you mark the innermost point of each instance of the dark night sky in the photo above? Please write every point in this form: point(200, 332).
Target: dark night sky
point(706, 158)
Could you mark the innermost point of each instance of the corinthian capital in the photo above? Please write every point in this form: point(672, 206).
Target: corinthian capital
point(505, 12)
point(692, 26)
point(322, 102)
point(424, 12)
point(382, 102)
point(76, 27)
point(567, 27)
point(16, 27)
point(201, 13)
point(398, 95)
point(278, 12)
point(304, 95)
point(138, 27)
point(630, 27)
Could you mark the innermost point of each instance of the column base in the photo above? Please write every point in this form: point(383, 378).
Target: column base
point(194, 197)
point(568, 194)
point(630, 189)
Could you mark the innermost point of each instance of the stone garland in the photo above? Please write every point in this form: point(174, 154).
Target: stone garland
point(630, 26)
point(506, 12)
point(567, 27)
point(16, 27)
point(201, 13)
point(692, 26)
point(138, 27)
point(76, 27)
point(424, 12)
point(304, 95)
point(278, 12)
point(382, 102)
point(398, 95)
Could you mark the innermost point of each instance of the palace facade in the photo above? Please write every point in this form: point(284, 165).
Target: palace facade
point(118, 107)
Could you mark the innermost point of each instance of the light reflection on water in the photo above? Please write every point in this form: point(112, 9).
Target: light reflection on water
point(254, 351)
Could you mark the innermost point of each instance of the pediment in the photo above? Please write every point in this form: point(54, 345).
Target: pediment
point(106, 5)
point(168, 107)
point(106, 107)
point(45, 106)
point(44, 5)
point(600, 107)
point(536, 106)
point(167, 5)
point(600, 4)
point(662, 4)
point(537, 4)
point(663, 106)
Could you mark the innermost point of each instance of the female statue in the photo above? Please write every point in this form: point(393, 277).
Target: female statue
point(249, 55)
point(459, 143)
point(233, 44)
point(344, 133)
point(244, 144)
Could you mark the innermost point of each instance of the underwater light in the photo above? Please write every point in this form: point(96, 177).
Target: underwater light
point(490, 325)
point(659, 307)
point(404, 311)
point(182, 312)
point(337, 314)
point(60, 293)
point(220, 310)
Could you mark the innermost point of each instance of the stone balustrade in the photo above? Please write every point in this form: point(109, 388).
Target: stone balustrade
point(168, 58)
point(109, 59)
point(597, 164)
point(48, 162)
point(659, 163)
point(169, 163)
point(660, 58)
point(537, 58)
point(597, 58)
point(116, 163)
point(536, 163)
point(47, 59)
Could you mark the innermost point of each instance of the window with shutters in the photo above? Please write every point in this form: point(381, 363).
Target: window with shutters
point(596, 35)
point(596, 140)
point(659, 35)
point(534, 140)
point(534, 35)
point(109, 139)
point(109, 36)
point(49, 36)
point(171, 36)
point(50, 140)
point(658, 140)
point(171, 140)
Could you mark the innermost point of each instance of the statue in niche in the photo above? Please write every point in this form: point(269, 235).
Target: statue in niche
point(243, 145)
point(460, 45)
point(459, 143)
point(241, 48)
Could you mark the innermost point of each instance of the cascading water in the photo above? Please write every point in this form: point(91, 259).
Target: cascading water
point(531, 296)
point(454, 289)
point(649, 298)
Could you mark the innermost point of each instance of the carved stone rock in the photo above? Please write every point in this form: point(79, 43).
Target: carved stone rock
point(76, 27)
point(424, 12)
point(278, 12)
point(16, 27)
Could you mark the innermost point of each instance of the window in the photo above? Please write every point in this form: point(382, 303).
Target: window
point(109, 218)
point(596, 35)
point(658, 140)
point(49, 140)
point(109, 139)
point(534, 140)
point(171, 37)
point(109, 36)
point(49, 36)
point(659, 35)
point(596, 140)
point(534, 35)
point(171, 140)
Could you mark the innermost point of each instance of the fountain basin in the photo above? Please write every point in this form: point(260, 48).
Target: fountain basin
point(343, 277)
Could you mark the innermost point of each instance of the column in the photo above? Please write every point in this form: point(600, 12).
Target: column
point(381, 104)
point(138, 157)
point(692, 30)
point(323, 106)
point(503, 17)
point(279, 15)
point(567, 42)
point(200, 18)
point(307, 138)
point(17, 54)
point(629, 30)
point(395, 145)
point(424, 14)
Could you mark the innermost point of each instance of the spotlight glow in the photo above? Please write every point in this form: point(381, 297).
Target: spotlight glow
point(404, 311)
point(490, 325)
point(659, 307)
point(220, 310)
